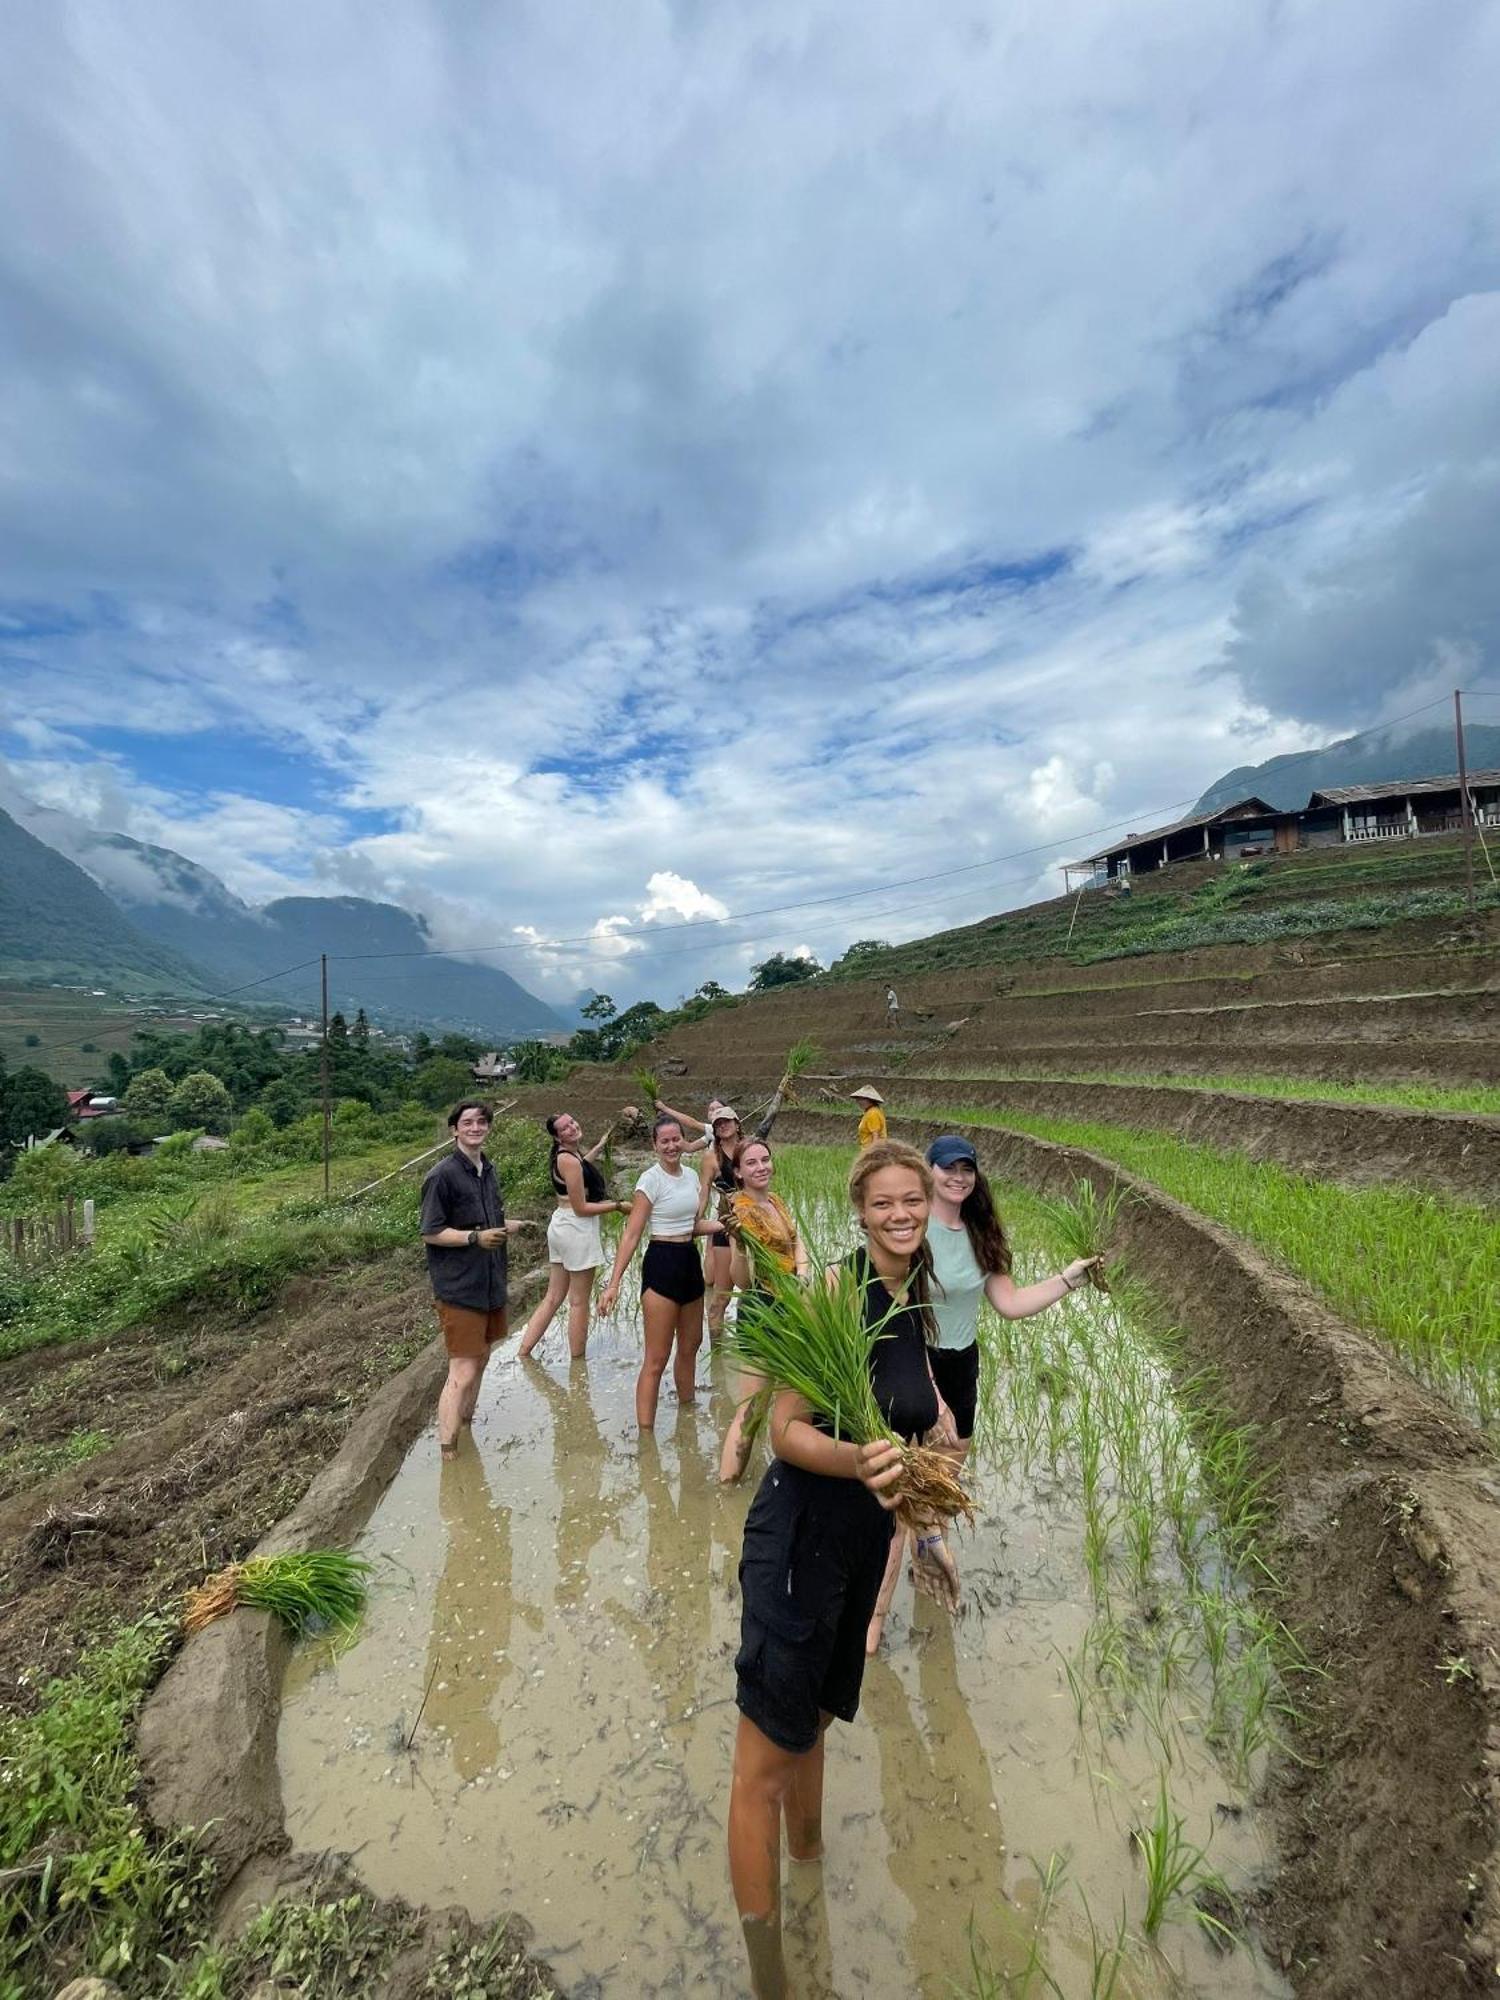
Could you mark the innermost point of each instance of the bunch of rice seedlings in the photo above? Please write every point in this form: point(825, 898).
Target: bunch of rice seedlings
point(306, 1588)
point(1085, 1225)
point(648, 1083)
point(812, 1338)
point(800, 1057)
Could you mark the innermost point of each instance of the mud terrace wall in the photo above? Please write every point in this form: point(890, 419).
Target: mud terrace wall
point(207, 1736)
point(1386, 1544)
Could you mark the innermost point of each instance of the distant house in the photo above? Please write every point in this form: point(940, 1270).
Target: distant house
point(1400, 809)
point(492, 1068)
point(86, 1104)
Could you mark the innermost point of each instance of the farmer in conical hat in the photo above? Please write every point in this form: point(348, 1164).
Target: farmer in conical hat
point(872, 1120)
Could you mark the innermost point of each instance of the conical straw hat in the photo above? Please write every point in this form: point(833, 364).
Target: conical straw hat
point(868, 1090)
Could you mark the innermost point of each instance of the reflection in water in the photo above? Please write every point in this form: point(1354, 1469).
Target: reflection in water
point(574, 1766)
point(947, 1848)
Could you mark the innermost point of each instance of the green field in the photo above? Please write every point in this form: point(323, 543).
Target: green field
point(64, 1022)
point(1482, 1098)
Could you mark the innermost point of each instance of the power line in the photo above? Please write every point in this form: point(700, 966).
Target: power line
point(227, 993)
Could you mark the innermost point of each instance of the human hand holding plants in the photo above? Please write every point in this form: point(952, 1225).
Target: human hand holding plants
point(1074, 1274)
point(879, 1466)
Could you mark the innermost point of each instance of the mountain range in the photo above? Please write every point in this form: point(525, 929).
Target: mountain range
point(110, 910)
point(1367, 759)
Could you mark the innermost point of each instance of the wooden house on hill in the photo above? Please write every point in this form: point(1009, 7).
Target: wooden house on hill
point(1400, 809)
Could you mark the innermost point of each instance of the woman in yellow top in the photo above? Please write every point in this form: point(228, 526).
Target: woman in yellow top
point(872, 1124)
point(760, 1225)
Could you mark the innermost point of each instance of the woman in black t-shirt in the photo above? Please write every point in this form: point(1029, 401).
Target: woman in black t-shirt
point(816, 1542)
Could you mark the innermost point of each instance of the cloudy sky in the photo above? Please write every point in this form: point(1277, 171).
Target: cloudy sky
point(581, 469)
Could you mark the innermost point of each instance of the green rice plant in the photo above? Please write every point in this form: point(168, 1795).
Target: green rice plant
point(1419, 1270)
point(648, 1083)
point(1174, 1867)
point(1084, 1225)
point(800, 1058)
point(813, 1339)
point(1477, 1097)
point(307, 1589)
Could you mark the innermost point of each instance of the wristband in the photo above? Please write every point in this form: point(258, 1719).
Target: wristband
point(473, 1239)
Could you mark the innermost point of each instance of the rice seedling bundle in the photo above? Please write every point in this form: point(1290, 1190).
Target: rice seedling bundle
point(1085, 1225)
point(800, 1058)
point(813, 1339)
point(304, 1588)
point(648, 1083)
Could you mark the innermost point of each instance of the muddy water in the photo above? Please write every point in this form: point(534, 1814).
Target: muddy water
point(553, 1633)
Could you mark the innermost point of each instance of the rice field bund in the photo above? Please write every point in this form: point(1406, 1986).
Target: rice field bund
point(1053, 1794)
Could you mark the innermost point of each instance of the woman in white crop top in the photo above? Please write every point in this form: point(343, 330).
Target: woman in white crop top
point(666, 1206)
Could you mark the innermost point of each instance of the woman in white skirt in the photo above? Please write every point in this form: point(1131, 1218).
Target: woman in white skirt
point(574, 1251)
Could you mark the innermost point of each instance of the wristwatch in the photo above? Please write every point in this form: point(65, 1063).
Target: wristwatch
point(473, 1239)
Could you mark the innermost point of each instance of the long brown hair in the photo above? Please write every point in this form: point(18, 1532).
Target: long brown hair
point(987, 1239)
point(892, 1153)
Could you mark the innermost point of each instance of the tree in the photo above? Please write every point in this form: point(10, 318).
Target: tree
point(862, 949)
point(253, 1128)
point(442, 1081)
point(338, 1032)
point(711, 990)
point(282, 1102)
point(148, 1098)
point(600, 1008)
point(119, 1073)
point(31, 1106)
point(362, 1029)
point(538, 1062)
point(780, 969)
point(201, 1099)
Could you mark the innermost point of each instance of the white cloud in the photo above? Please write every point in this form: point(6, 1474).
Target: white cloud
point(681, 463)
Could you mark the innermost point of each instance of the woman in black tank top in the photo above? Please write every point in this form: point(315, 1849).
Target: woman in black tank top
point(816, 1541)
point(574, 1253)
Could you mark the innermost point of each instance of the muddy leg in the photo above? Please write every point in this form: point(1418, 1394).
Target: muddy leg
point(659, 1317)
point(804, 1802)
point(685, 1361)
point(761, 1779)
point(460, 1393)
point(887, 1592)
point(546, 1311)
point(580, 1291)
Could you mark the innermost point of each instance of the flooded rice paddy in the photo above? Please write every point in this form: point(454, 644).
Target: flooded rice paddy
point(538, 1712)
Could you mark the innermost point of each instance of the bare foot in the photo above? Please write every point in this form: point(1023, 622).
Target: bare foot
point(934, 1572)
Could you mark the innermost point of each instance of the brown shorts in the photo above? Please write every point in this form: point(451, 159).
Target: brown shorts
point(468, 1334)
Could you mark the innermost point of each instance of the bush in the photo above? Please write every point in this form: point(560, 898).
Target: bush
point(148, 1098)
point(201, 1101)
point(253, 1131)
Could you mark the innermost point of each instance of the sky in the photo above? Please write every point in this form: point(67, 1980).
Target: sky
point(580, 470)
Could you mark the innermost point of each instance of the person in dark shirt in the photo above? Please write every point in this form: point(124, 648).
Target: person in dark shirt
point(816, 1541)
point(463, 1225)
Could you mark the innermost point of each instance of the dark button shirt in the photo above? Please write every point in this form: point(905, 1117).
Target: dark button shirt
point(457, 1196)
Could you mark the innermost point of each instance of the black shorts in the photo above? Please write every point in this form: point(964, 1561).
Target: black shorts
point(673, 1271)
point(815, 1552)
point(956, 1373)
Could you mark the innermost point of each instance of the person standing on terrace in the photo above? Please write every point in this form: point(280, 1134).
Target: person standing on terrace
point(574, 1248)
point(716, 1179)
point(872, 1119)
point(463, 1225)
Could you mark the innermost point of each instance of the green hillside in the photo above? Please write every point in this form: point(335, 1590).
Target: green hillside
point(57, 924)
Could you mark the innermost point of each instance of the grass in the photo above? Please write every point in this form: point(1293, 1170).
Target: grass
point(1421, 1271)
point(86, 1881)
point(184, 1231)
point(1483, 1098)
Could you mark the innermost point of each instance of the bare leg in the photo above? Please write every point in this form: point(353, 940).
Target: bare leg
point(761, 1779)
point(738, 1439)
point(716, 1270)
point(887, 1591)
point(804, 1803)
point(460, 1394)
point(933, 1570)
point(580, 1292)
point(659, 1316)
point(546, 1310)
point(685, 1362)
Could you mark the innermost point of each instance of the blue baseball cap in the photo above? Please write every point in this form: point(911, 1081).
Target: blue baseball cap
point(950, 1150)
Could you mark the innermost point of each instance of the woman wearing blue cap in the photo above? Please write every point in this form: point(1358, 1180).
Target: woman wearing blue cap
point(971, 1262)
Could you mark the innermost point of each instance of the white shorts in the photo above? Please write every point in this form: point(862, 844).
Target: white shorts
point(573, 1241)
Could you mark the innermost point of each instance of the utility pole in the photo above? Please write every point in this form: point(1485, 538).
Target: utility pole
point(1463, 799)
point(327, 1105)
